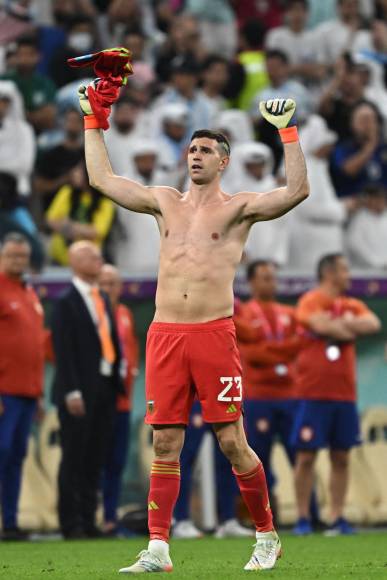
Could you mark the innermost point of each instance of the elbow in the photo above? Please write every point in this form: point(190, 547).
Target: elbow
point(377, 325)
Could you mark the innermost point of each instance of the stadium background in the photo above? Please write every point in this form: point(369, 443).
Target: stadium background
point(370, 281)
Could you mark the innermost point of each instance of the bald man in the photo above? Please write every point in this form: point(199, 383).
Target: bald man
point(110, 282)
point(87, 382)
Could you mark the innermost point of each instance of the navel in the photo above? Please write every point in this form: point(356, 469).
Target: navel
point(185, 296)
point(215, 236)
point(167, 233)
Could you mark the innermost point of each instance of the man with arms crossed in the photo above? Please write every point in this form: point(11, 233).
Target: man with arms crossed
point(191, 344)
point(326, 385)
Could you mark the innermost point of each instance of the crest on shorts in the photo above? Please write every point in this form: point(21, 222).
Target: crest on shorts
point(150, 405)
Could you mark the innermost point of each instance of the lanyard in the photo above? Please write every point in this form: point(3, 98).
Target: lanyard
point(279, 332)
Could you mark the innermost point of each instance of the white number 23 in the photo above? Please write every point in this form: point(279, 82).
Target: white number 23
point(230, 382)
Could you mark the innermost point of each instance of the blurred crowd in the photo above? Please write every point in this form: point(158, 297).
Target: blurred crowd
point(197, 64)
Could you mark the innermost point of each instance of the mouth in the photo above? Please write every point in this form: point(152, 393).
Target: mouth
point(196, 167)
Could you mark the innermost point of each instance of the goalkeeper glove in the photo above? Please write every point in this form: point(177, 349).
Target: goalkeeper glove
point(279, 112)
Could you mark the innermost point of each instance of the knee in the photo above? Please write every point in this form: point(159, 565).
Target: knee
point(167, 444)
point(340, 461)
point(305, 460)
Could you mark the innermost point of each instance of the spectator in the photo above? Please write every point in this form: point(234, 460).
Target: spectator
point(297, 42)
point(22, 341)
point(110, 283)
point(227, 489)
point(367, 232)
point(360, 160)
point(235, 125)
point(172, 135)
point(16, 20)
point(17, 141)
point(137, 43)
point(38, 91)
point(122, 133)
point(251, 169)
point(283, 87)
point(327, 415)
point(77, 212)
point(268, 343)
point(252, 60)
point(183, 40)
point(53, 166)
point(214, 78)
point(337, 36)
point(269, 13)
point(79, 40)
point(132, 256)
point(321, 219)
point(183, 89)
point(217, 24)
point(15, 217)
point(118, 14)
point(87, 381)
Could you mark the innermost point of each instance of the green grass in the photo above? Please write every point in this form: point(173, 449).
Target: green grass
point(360, 557)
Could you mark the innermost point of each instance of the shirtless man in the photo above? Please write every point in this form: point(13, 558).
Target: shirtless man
point(191, 346)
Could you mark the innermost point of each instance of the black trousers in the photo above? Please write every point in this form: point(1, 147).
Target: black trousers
point(84, 445)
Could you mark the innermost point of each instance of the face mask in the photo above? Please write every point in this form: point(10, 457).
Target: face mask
point(81, 41)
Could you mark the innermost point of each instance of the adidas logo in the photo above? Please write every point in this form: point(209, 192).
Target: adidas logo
point(232, 409)
point(152, 505)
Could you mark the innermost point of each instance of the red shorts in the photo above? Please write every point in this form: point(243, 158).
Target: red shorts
point(184, 360)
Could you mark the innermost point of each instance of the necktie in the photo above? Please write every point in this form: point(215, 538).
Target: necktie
point(108, 351)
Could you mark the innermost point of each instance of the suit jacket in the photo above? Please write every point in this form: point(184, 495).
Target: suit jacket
point(77, 347)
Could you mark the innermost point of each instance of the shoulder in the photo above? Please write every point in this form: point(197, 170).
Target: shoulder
point(355, 305)
point(312, 297)
point(164, 192)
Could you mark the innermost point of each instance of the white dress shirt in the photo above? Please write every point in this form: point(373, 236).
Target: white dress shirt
point(85, 290)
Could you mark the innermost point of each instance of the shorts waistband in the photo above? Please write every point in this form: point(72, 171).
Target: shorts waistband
point(172, 327)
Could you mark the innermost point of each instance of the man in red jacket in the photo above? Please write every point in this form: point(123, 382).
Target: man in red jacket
point(22, 339)
point(268, 343)
point(110, 282)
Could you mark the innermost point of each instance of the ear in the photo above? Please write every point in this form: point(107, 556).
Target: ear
point(223, 163)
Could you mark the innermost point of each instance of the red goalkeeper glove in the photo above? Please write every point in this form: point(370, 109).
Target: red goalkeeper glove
point(113, 67)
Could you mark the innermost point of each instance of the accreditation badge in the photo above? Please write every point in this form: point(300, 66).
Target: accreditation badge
point(333, 352)
point(281, 370)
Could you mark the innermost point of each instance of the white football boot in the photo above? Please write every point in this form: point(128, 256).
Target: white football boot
point(266, 551)
point(155, 559)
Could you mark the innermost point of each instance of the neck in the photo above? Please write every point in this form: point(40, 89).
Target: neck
point(261, 298)
point(92, 280)
point(210, 91)
point(296, 28)
point(204, 193)
point(330, 289)
point(14, 277)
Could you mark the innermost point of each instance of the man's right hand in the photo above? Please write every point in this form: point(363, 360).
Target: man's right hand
point(76, 406)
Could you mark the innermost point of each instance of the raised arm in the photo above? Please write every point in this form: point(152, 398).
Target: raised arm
point(275, 203)
point(125, 192)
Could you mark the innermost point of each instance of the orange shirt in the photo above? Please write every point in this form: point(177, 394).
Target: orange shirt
point(268, 344)
point(22, 339)
point(318, 377)
point(129, 347)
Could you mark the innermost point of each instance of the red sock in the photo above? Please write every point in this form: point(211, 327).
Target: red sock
point(163, 493)
point(253, 488)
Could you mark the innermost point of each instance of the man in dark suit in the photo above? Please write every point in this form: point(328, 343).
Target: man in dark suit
point(86, 384)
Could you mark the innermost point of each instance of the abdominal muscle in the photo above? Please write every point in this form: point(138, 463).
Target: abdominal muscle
point(195, 284)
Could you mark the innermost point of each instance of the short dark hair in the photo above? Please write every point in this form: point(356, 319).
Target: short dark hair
point(253, 267)
point(218, 137)
point(327, 262)
point(280, 54)
point(253, 32)
point(15, 238)
point(213, 59)
point(28, 40)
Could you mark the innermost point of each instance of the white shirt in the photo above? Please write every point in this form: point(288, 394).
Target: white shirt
point(85, 291)
point(332, 38)
point(299, 47)
point(367, 239)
